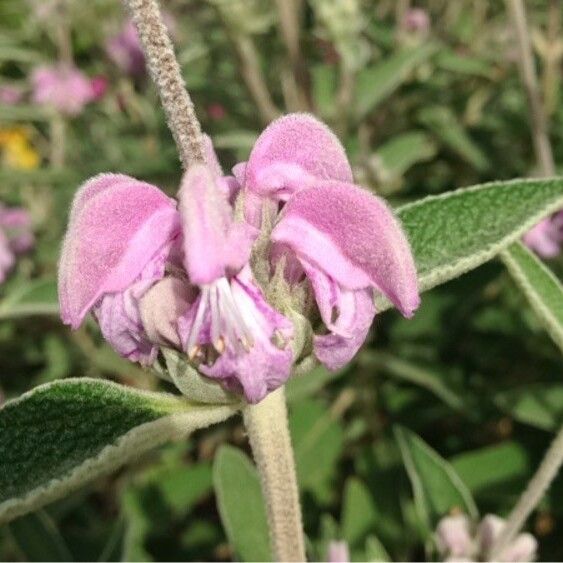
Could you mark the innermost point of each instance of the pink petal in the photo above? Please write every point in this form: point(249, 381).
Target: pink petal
point(116, 227)
point(338, 552)
point(354, 238)
point(334, 350)
point(453, 536)
point(206, 219)
point(291, 153)
point(213, 243)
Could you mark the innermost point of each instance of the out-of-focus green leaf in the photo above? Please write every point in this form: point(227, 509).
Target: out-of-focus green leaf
point(38, 538)
point(66, 433)
point(445, 125)
point(399, 153)
point(23, 113)
point(437, 487)
point(377, 82)
point(455, 232)
point(324, 80)
point(38, 297)
point(449, 60)
point(489, 467)
point(358, 512)
point(137, 527)
point(542, 289)
point(241, 504)
point(318, 441)
point(375, 551)
point(303, 386)
point(538, 404)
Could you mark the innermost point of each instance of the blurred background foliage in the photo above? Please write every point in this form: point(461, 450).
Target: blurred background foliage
point(423, 107)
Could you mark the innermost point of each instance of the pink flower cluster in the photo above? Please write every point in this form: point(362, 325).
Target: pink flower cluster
point(457, 541)
point(65, 88)
point(546, 238)
point(228, 271)
point(16, 237)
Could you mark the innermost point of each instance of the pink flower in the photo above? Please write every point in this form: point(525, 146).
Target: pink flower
point(216, 111)
point(454, 538)
point(65, 88)
point(124, 49)
point(546, 238)
point(338, 552)
point(99, 85)
point(196, 275)
point(10, 95)
point(416, 20)
point(190, 263)
point(344, 240)
point(15, 237)
point(523, 547)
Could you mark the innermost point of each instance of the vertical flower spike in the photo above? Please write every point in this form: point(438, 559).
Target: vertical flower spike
point(117, 226)
point(291, 154)
point(349, 244)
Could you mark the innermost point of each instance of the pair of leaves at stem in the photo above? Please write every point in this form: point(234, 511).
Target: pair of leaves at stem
point(61, 435)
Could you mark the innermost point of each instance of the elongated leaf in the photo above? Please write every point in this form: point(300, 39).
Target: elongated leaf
point(455, 232)
point(358, 512)
point(445, 125)
point(241, 504)
point(542, 289)
point(401, 152)
point(39, 539)
point(377, 82)
point(437, 487)
point(35, 298)
point(63, 434)
point(537, 404)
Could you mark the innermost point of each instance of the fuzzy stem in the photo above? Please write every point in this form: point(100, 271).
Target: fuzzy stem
point(527, 68)
point(165, 72)
point(534, 492)
point(267, 427)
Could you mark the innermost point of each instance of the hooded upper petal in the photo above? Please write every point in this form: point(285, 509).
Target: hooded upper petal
point(354, 238)
point(213, 242)
point(291, 153)
point(116, 226)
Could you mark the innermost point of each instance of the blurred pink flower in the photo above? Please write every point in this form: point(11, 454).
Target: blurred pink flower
point(10, 95)
point(416, 20)
point(63, 87)
point(124, 49)
point(16, 237)
point(546, 238)
point(216, 111)
point(338, 552)
point(99, 85)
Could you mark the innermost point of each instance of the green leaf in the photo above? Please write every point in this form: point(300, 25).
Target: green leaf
point(377, 82)
point(303, 386)
point(375, 551)
point(241, 504)
point(451, 61)
point(38, 297)
point(538, 404)
point(445, 125)
point(318, 441)
point(23, 113)
point(453, 233)
point(437, 487)
point(540, 286)
point(63, 434)
point(358, 512)
point(487, 468)
point(38, 538)
point(401, 152)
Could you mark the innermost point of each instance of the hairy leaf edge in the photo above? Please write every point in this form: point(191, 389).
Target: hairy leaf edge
point(127, 447)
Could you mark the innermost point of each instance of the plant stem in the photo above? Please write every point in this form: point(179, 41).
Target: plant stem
point(268, 431)
point(527, 68)
point(553, 459)
point(534, 492)
point(165, 72)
